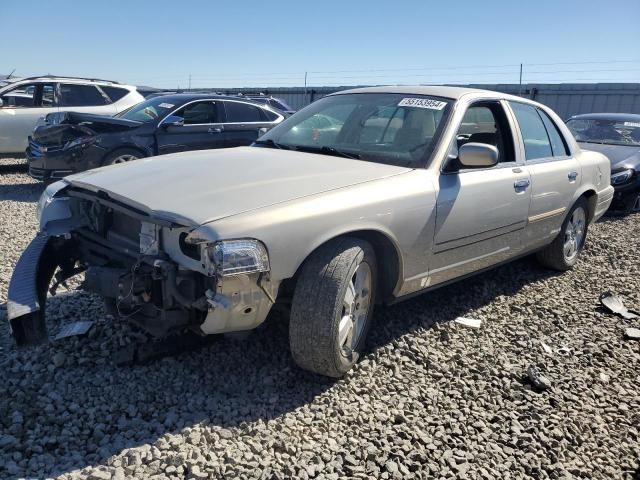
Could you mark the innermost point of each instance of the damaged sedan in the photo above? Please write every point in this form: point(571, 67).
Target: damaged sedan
point(405, 190)
point(70, 142)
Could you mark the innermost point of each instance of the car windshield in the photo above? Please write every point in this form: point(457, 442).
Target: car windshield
point(396, 129)
point(611, 132)
point(148, 110)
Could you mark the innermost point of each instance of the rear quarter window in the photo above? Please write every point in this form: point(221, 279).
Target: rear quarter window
point(114, 93)
point(72, 95)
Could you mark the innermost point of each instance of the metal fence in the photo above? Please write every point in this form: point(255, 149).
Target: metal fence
point(565, 98)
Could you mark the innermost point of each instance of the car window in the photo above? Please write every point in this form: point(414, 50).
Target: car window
point(72, 95)
point(238, 112)
point(48, 95)
point(114, 93)
point(20, 97)
point(199, 113)
point(534, 134)
point(270, 116)
point(558, 146)
point(389, 128)
point(608, 131)
point(487, 123)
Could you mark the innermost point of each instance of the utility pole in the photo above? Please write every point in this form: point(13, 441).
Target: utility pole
point(520, 87)
point(305, 87)
point(190, 80)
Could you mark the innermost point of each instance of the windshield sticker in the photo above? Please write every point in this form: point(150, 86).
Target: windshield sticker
point(422, 103)
point(166, 105)
point(632, 124)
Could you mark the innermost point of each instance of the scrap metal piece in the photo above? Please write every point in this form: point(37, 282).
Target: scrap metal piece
point(74, 329)
point(469, 322)
point(614, 304)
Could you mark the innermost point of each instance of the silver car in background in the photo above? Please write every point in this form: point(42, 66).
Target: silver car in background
point(366, 196)
point(25, 101)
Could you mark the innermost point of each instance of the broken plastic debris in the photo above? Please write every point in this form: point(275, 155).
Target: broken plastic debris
point(73, 329)
point(469, 322)
point(632, 333)
point(614, 304)
point(546, 348)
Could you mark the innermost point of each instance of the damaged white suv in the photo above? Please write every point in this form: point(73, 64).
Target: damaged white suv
point(366, 196)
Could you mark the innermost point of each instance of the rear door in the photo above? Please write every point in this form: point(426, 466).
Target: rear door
point(555, 174)
point(22, 107)
point(480, 213)
point(245, 122)
point(84, 98)
point(195, 126)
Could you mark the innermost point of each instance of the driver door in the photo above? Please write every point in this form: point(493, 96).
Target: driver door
point(480, 213)
point(22, 107)
point(196, 126)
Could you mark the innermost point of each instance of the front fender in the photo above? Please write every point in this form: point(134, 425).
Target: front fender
point(28, 291)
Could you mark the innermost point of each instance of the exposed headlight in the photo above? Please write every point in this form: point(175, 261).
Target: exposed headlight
point(47, 196)
point(79, 142)
point(233, 257)
point(621, 177)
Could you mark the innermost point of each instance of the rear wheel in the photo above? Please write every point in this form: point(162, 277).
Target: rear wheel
point(332, 307)
point(563, 253)
point(122, 155)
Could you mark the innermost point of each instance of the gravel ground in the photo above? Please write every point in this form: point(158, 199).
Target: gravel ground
point(431, 399)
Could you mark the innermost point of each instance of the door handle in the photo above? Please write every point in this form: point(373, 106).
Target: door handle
point(215, 129)
point(521, 184)
point(572, 176)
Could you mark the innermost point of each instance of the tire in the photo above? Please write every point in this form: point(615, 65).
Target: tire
point(319, 303)
point(122, 155)
point(563, 253)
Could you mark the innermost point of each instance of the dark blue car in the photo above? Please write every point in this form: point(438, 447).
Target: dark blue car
point(71, 142)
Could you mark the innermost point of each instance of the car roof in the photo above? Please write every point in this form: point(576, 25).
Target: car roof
point(454, 93)
point(55, 78)
point(629, 117)
point(187, 97)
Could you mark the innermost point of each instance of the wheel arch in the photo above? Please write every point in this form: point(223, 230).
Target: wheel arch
point(137, 148)
point(388, 257)
point(591, 196)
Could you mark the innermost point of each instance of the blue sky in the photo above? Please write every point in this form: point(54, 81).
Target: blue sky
point(236, 44)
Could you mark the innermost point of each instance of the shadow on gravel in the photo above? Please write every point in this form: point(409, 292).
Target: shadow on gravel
point(13, 168)
point(455, 300)
point(21, 192)
point(77, 409)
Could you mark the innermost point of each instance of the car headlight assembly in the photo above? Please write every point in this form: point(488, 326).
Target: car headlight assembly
point(235, 257)
point(621, 177)
point(79, 142)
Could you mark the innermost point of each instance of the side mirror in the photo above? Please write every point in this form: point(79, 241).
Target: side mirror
point(477, 155)
point(173, 121)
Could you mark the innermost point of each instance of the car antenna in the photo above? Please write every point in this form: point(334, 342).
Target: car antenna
point(11, 74)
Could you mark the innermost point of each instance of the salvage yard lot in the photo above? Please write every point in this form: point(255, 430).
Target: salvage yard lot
point(431, 399)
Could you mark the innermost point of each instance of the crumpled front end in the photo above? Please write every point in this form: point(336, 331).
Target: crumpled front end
point(148, 269)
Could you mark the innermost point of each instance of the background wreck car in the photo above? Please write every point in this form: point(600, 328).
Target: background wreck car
point(24, 101)
point(416, 189)
point(70, 142)
point(616, 135)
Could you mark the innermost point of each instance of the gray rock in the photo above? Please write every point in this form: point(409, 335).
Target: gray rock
point(632, 333)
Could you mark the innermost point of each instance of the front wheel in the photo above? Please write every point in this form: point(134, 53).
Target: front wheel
point(332, 307)
point(123, 155)
point(563, 253)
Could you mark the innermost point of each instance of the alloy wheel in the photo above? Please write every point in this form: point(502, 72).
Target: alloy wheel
point(355, 309)
point(574, 234)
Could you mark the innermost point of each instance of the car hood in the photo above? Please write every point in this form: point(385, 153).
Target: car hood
point(620, 156)
point(193, 188)
point(61, 127)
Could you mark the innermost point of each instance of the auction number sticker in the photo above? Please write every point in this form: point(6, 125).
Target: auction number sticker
point(422, 103)
point(632, 124)
point(166, 105)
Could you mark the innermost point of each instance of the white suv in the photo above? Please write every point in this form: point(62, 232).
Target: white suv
point(24, 101)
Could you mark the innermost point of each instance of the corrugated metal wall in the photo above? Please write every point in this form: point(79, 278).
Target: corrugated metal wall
point(566, 98)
